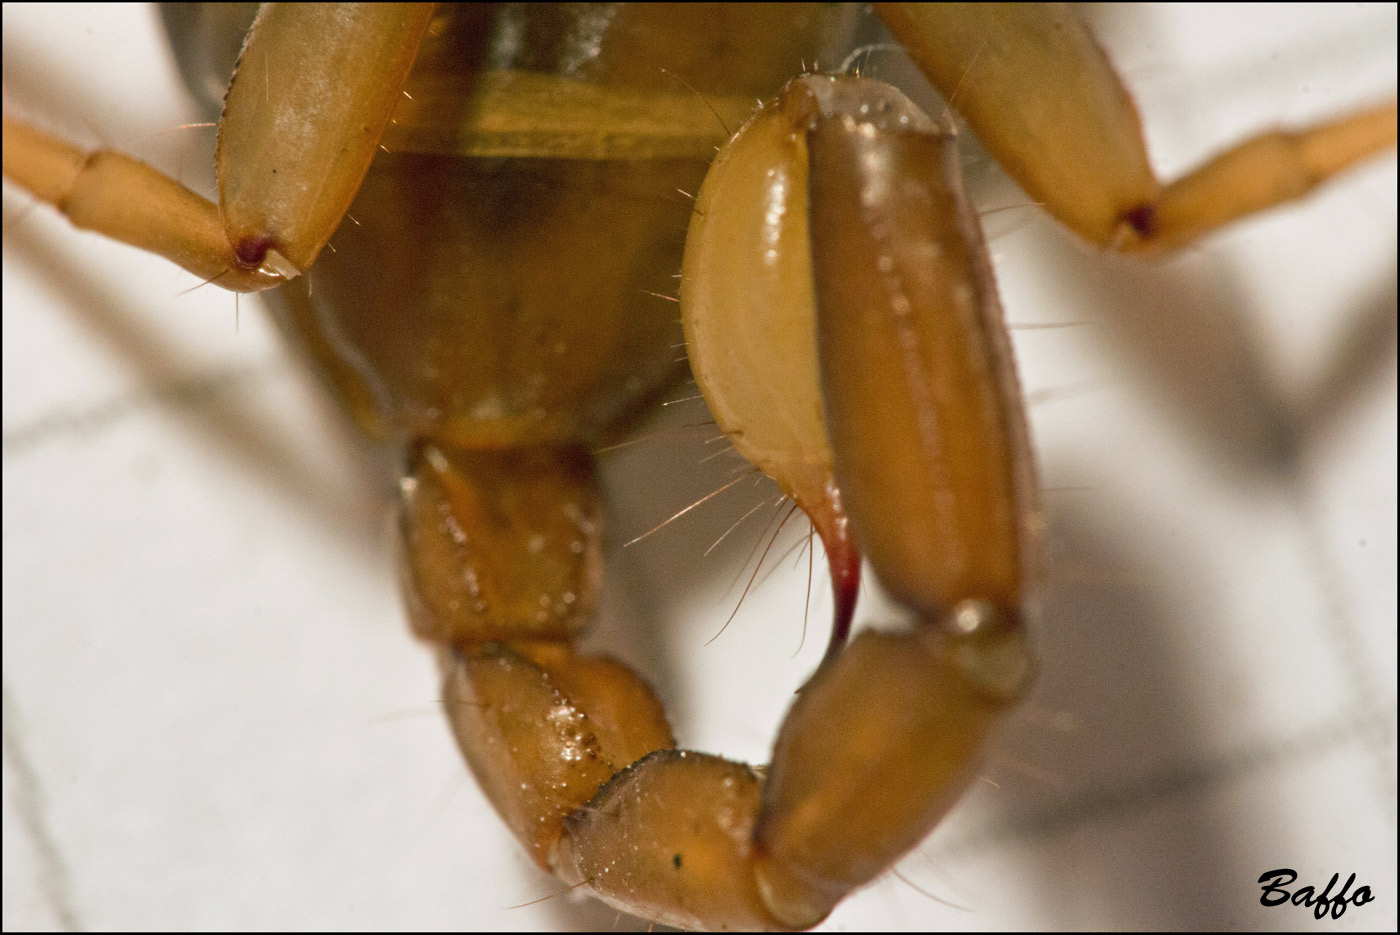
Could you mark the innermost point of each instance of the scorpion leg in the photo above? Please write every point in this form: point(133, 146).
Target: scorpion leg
point(126, 200)
point(291, 155)
point(1042, 97)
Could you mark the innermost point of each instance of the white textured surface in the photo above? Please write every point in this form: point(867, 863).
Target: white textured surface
point(214, 716)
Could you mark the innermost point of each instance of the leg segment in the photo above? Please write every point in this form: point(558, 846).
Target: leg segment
point(315, 88)
point(127, 200)
point(1040, 94)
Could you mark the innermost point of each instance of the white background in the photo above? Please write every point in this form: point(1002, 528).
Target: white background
point(214, 716)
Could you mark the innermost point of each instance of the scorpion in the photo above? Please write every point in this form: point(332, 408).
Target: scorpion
point(999, 669)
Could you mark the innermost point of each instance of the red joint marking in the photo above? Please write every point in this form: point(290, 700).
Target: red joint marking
point(1142, 219)
point(251, 251)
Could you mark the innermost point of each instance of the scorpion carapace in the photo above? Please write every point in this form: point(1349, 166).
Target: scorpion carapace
point(519, 180)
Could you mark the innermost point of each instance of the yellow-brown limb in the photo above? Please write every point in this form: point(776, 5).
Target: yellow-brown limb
point(1260, 173)
point(124, 199)
point(1040, 94)
point(315, 87)
point(1043, 98)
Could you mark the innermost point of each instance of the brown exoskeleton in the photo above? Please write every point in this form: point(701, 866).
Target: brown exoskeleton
point(381, 706)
